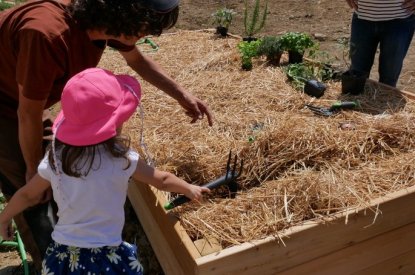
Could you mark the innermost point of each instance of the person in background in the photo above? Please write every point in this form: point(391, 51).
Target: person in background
point(388, 24)
point(88, 166)
point(43, 43)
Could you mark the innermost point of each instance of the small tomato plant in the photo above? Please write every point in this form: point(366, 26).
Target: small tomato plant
point(223, 17)
point(298, 73)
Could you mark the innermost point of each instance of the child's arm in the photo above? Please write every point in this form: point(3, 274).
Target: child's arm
point(167, 181)
point(28, 195)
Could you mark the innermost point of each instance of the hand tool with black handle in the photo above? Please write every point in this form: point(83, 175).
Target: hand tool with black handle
point(229, 179)
point(341, 105)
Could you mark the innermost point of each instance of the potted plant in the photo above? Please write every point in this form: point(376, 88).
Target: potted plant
point(296, 43)
point(248, 50)
point(223, 19)
point(353, 82)
point(254, 23)
point(271, 47)
point(304, 78)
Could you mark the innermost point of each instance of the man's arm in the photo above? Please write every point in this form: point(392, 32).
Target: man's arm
point(352, 4)
point(409, 5)
point(30, 132)
point(151, 72)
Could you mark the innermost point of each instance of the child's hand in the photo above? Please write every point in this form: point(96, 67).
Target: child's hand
point(6, 231)
point(196, 192)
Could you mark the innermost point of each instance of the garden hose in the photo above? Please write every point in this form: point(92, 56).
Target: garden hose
point(19, 244)
point(22, 251)
point(153, 45)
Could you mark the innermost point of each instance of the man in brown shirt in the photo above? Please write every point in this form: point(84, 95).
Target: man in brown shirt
point(43, 43)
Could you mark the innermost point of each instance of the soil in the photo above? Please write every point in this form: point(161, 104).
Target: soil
point(328, 21)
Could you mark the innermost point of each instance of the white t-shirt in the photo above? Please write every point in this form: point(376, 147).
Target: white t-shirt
point(91, 208)
point(381, 10)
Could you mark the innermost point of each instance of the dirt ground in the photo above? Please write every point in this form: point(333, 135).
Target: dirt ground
point(329, 21)
point(326, 19)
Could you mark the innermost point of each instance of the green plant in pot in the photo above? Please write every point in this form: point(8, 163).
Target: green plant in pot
point(223, 18)
point(296, 43)
point(304, 78)
point(271, 47)
point(353, 82)
point(254, 22)
point(248, 50)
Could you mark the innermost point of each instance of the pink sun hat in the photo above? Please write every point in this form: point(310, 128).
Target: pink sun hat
point(94, 103)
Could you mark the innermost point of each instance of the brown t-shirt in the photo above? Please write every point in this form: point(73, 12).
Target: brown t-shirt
point(41, 47)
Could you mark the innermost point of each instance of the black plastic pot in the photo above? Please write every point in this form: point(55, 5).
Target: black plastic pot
point(295, 57)
point(353, 82)
point(222, 31)
point(249, 39)
point(314, 88)
point(275, 59)
point(246, 66)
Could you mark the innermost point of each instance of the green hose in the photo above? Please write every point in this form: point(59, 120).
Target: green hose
point(22, 251)
point(19, 244)
point(153, 45)
point(9, 243)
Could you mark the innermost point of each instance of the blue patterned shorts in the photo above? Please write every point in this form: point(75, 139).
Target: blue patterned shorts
point(63, 259)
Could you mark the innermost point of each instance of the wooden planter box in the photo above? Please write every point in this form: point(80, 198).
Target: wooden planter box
point(384, 244)
point(363, 241)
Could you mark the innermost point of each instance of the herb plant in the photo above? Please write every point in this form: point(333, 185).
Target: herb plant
point(297, 42)
point(248, 51)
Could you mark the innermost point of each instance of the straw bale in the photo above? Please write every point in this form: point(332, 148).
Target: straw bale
point(297, 166)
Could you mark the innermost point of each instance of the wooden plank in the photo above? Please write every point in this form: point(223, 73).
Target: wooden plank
point(207, 246)
point(399, 265)
point(376, 251)
point(407, 94)
point(171, 244)
point(312, 240)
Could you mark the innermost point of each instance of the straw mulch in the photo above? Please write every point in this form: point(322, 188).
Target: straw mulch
point(297, 166)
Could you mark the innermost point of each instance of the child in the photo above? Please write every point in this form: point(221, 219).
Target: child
point(88, 167)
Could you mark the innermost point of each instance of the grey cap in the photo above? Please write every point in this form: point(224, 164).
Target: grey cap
point(162, 5)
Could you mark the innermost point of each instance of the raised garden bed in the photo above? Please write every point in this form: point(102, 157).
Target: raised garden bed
point(313, 197)
point(355, 242)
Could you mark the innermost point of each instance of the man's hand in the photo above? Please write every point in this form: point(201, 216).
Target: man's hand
point(352, 4)
point(409, 5)
point(154, 74)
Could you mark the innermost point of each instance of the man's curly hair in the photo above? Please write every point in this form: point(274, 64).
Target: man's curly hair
point(128, 17)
